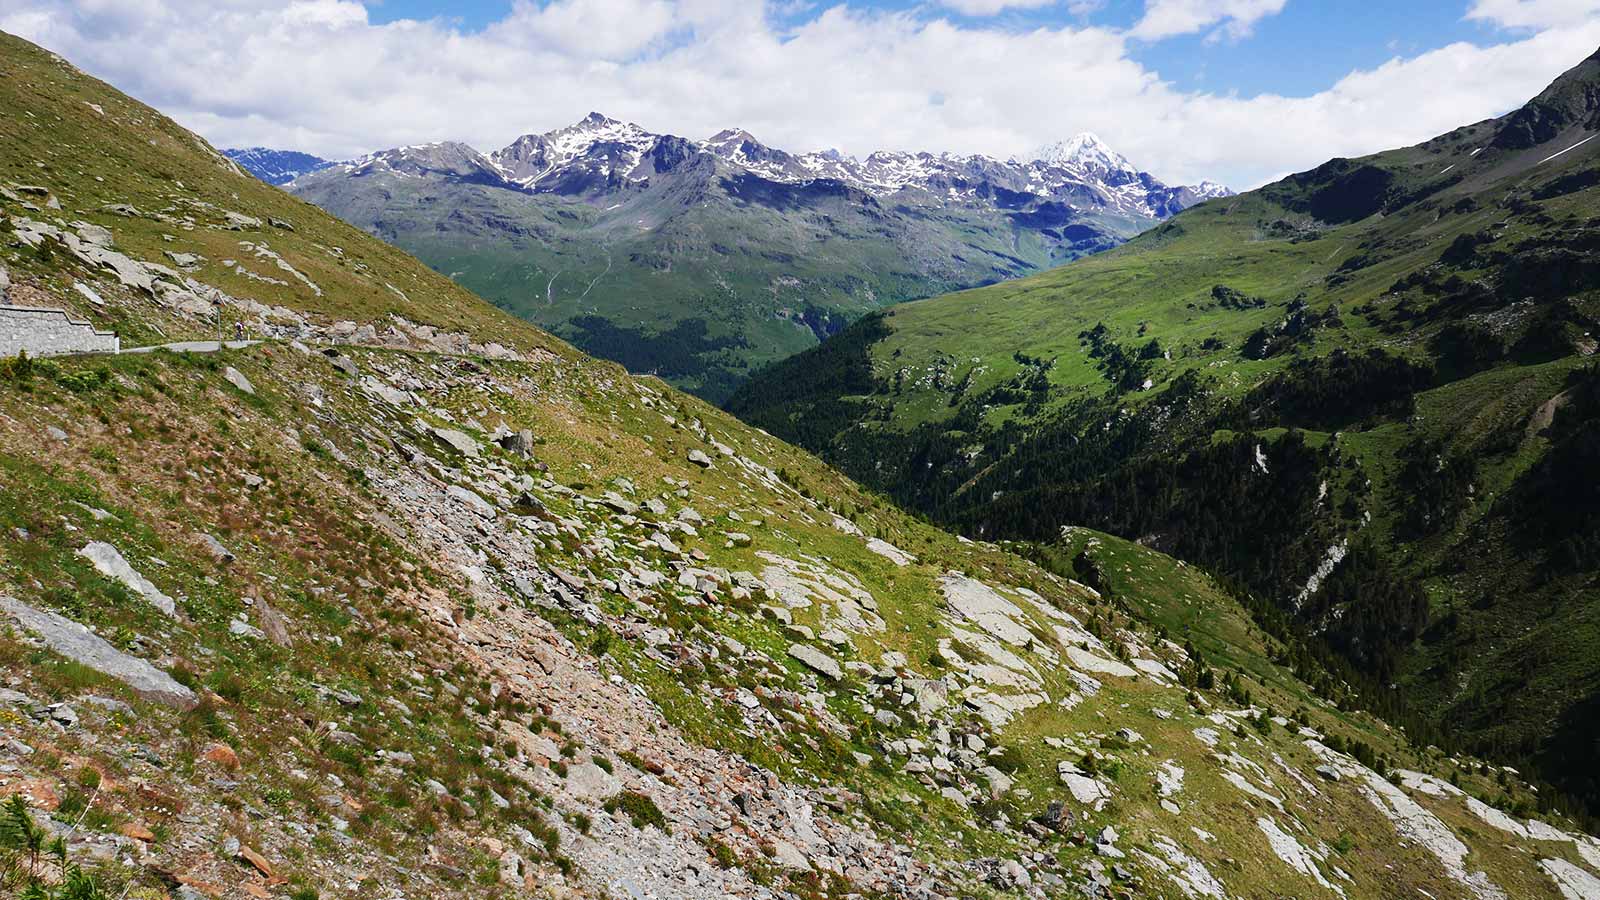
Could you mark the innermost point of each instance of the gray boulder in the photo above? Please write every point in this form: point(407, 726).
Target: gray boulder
point(518, 442)
point(999, 782)
point(109, 562)
point(931, 694)
point(97, 235)
point(1056, 816)
point(511, 869)
point(789, 856)
point(459, 441)
point(472, 500)
point(218, 552)
point(619, 503)
point(384, 391)
point(273, 625)
point(587, 781)
point(237, 379)
point(816, 660)
point(84, 647)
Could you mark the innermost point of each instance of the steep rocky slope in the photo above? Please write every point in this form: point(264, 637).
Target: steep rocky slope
point(1364, 394)
point(696, 260)
point(375, 608)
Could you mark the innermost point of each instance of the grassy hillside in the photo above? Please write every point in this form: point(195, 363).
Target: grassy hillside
point(360, 616)
point(108, 160)
point(1351, 392)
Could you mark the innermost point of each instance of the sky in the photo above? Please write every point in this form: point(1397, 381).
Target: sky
point(1236, 91)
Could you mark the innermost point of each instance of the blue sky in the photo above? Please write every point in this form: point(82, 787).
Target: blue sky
point(1301, 50)
point(1308, 46)
point(1237, 91)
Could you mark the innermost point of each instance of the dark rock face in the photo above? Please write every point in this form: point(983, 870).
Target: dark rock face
point(276, 166)
point(1350, 195)
point(1574, 99)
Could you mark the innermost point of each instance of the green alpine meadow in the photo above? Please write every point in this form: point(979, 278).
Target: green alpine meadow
point(1365, 396)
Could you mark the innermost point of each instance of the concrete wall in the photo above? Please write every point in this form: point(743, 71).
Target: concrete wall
point(49, 332)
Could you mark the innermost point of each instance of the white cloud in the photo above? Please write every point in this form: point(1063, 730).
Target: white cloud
point(1534, 13)
point(332, 15)
point(605, 29)
point(318, 75)
point(1235, 18)
point(993, 7)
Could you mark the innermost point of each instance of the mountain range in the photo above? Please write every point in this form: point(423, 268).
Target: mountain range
point(1365, 394)
point(697, 260)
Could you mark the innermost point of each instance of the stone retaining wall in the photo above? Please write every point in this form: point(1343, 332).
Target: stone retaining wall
point(50, 332)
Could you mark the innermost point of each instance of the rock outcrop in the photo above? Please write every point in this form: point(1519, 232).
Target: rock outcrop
point(82, 646)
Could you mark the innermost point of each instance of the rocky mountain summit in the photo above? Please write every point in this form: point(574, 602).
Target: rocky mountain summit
point(411, 599)
point(745, 252)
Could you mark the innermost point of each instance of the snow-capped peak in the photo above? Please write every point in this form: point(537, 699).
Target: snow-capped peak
point(415, 160)
point(533, 156)
point(1085, 150)
point(731, 137)
point(594, 128)
point(737, 145)
point(594, 120)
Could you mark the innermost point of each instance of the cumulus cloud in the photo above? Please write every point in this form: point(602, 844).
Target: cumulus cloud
point(1534, 13)
point(320, 76)
point(1233, 18)
point(603, 29)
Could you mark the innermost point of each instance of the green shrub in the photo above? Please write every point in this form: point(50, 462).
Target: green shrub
point(723, 855)
point(639, 809)
point(1009, 760)
point(17, 369)
point(25, 847)
point(84, 380)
